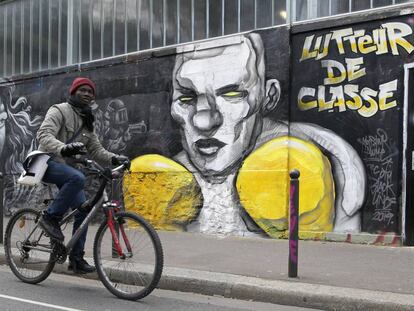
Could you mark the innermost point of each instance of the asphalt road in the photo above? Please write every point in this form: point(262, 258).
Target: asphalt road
point(68, 293)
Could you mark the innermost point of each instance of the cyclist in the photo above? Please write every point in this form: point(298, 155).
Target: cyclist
point(68, 130)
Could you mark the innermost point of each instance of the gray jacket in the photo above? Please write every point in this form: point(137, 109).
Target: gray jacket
point(61, 122)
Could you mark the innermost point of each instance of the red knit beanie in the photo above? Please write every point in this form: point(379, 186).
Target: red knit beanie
point(79, 82)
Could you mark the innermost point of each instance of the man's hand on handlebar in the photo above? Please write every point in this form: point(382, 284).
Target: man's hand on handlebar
point(119, 159)
point(73, 149)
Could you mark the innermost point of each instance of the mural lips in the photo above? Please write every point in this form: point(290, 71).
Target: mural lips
point(209, 146)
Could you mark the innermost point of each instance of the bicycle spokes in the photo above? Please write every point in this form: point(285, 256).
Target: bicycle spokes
point(135, 274)
point(28, 251)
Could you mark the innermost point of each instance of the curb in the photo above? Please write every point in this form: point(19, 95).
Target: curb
point(290, 293)
point(284, 292)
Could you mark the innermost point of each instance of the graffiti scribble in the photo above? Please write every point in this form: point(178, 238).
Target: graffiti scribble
point(378, 156)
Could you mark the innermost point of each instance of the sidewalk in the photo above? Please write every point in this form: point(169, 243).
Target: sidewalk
point(331, 276)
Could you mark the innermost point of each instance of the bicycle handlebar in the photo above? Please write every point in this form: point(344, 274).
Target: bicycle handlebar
point(94, 166)
point(124, 166)
point(107, 174)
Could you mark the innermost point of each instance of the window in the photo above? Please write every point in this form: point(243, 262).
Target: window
point(43, 34)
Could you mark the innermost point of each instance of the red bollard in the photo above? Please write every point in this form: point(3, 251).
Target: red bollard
point(293, 223)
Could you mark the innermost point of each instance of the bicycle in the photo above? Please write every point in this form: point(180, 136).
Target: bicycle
point(127, 271)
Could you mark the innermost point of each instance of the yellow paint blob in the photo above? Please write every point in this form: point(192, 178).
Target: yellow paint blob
point(263, 186)
point(162, 191)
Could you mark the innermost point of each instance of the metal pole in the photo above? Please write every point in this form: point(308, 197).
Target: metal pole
point(22, 38)
point(13, 43)
point(222, 17)
point(49, 37)
point(293, 223)
point(59, 47)
point(69, 39)
point(151, 19)
point(114, 26)
point(79, 12)
point(41, 36)
point(126, 28)
point(178, 21)
point(192, 20)
point(207, 21)
point(30, 37)
point(90, 19)
point(164, 22)
point(102, 29)
point(255, 14)
point(238, 15)
point(138, 22)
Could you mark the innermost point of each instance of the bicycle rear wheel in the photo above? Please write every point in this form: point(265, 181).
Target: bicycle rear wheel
point(136, 275)
point(28, 251)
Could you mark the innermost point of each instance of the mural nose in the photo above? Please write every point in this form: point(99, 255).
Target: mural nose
point(206, 120)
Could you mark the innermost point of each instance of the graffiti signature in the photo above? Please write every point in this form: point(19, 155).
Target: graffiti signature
point(379, 159)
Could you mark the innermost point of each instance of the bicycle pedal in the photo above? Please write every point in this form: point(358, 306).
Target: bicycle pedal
point(59, 251)
point(57, 243)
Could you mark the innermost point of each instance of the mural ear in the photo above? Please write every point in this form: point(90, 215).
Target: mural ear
point(272, 94)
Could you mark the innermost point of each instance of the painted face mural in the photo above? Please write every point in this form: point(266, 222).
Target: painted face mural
point(228, 104)
point(217, 98)
point(236, 156)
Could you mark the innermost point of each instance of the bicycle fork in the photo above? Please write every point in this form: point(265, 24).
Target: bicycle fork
point(114, 228)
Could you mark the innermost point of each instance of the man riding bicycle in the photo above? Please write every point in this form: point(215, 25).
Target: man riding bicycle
point(68, 130)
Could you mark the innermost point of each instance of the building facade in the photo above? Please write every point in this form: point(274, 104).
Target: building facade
point(37, 35)
point(214, 126)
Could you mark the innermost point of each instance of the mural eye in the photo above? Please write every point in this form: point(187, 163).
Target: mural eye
point(185, 99)
point(235, 94)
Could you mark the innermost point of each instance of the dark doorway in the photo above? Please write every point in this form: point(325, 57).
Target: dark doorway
point(409, 204)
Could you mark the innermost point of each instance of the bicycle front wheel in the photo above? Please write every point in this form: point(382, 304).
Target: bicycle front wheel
point(138, 272)
point(28, 251)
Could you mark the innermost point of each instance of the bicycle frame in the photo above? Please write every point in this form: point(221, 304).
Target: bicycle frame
point(137, 261)
point(92, 206)
point(108, 207)
point(75, 237)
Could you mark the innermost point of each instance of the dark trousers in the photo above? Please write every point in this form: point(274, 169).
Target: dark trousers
point(70, 182)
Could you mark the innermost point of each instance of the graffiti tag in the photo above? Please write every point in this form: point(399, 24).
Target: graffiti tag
point(340, 90)
point(379, 160)
point(389, 36)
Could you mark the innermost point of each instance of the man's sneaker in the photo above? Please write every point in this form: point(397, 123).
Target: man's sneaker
point(80, 266)
point(51, 226)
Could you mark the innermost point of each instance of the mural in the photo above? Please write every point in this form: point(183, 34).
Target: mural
point(17, 132)
point(239, 157)
point(214, 128)
point(357, 91)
